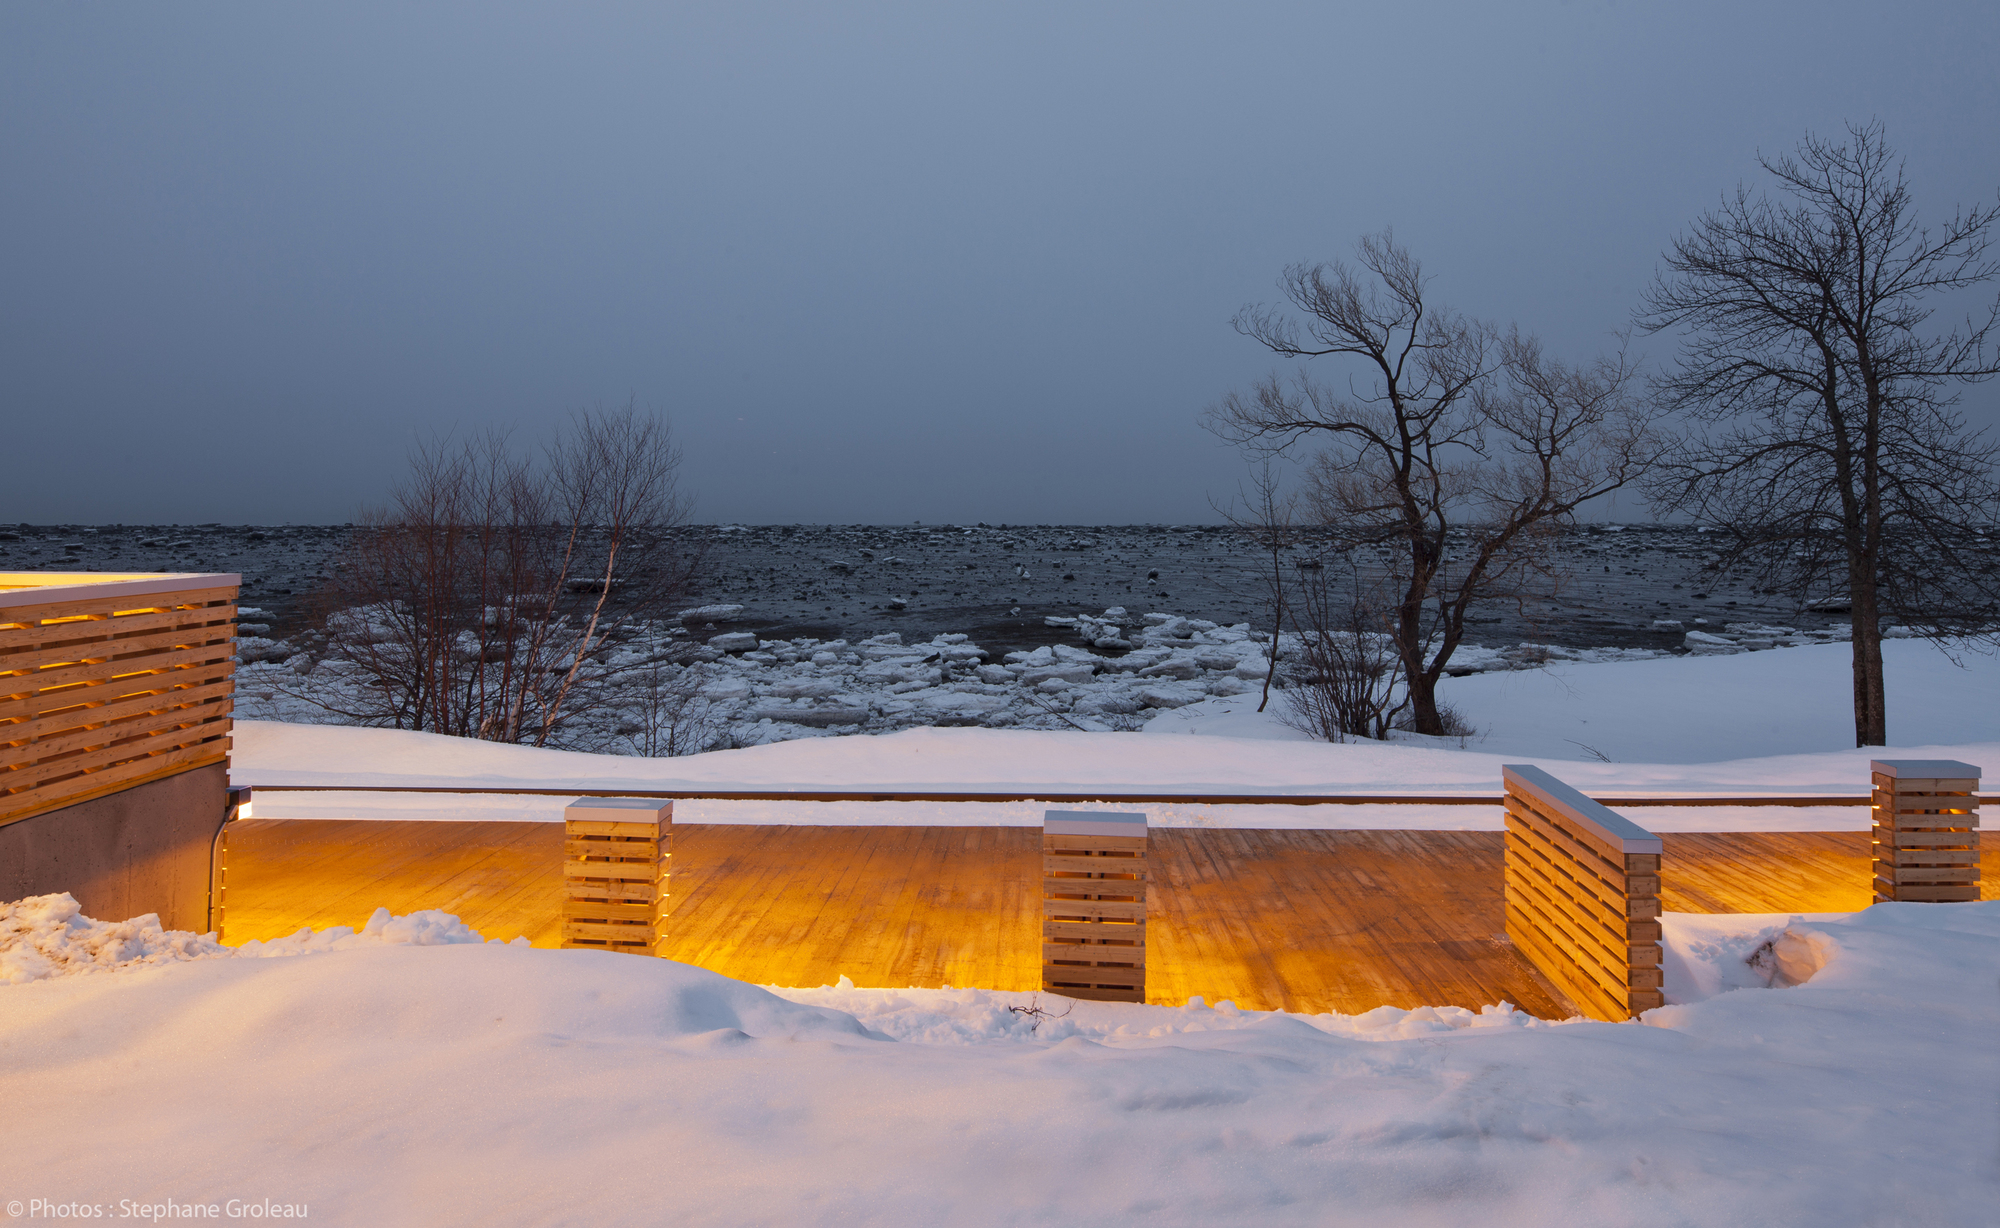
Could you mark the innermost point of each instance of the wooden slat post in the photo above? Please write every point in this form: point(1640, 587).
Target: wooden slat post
point(616, 853)
point(1926, 830)
point(110, 681)
point(1094, 905)
point(1583, 895)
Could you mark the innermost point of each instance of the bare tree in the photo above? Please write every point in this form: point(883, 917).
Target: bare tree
point(1836, 458)
point(487, 600)
point(1454, 454)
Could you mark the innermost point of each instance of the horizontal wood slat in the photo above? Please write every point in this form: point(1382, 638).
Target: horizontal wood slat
point(619, 831)
point(621, 850)
point(115, 648)
point(1060, 979)
point(1927, 857)
point(20, 709)
point(1128, 868)
point(1055, 842)
point(1588, 855)
point(54, 684)
point(607, 889)
point(114, 709)
point(1582, 895)
point(1092, 954)
point(603, 910)
point(624, 871)
point(1926, 838)
point(1587, 956)
point(1926, 874)
point(1958, 893)
point(1066, 909)
point(150, 723)
point(31, 621)
point(100, 781)
point(102, 629)
point(97, 758)
point(1061, 930)
point(112, 778)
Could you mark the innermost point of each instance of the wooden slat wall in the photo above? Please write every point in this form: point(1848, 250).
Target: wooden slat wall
point(1094, 916)
point(615, 878)
point(1926, 834)
point(101, 694)
point(1583, 896)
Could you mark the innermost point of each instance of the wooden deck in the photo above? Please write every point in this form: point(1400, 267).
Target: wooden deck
point(1303, 920)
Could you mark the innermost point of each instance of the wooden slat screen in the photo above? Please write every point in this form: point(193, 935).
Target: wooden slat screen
point(616, 857)
point(1926, 833)
point(99, 693)
point(1583, 895)
point(1094, 905)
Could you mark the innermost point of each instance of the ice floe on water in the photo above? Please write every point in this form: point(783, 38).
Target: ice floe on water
point(1121, 671)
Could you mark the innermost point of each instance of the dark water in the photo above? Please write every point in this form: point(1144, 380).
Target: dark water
point(995, 583)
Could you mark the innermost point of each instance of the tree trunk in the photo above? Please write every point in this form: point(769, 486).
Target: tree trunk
point(1871, 709)
point(1423, 702)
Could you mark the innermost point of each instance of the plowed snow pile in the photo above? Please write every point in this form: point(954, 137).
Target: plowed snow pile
point(410, 1074)
point(48, 935)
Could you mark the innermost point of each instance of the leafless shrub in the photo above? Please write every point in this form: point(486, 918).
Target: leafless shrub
point(499, 595)
point(666, 715)
point(1346, 680)
point(1040, 1014)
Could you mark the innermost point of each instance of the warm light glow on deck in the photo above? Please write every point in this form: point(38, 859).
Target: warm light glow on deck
point(1299, 920)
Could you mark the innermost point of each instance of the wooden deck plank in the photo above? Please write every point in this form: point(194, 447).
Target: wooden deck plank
point(1767, 872)
point(1303, 920)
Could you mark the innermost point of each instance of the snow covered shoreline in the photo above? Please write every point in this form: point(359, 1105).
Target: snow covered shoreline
point(1123, 672)
point(1768, 723)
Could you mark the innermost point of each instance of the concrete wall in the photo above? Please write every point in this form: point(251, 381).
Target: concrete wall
point(143, 850)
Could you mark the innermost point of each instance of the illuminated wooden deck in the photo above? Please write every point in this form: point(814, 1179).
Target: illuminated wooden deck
point(1301, 920)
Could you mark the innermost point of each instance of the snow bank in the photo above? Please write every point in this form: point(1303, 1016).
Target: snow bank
point(48, 936)
point(1762, 723)
point(1012, 761)
point(463, 1083)
point(972, 1016)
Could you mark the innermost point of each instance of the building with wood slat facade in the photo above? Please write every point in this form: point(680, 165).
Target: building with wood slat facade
point(116, 694)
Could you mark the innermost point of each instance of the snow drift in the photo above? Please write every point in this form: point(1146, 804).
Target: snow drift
point(385, 1082)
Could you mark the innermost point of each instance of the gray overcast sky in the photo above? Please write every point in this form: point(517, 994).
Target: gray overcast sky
point(878, 264)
